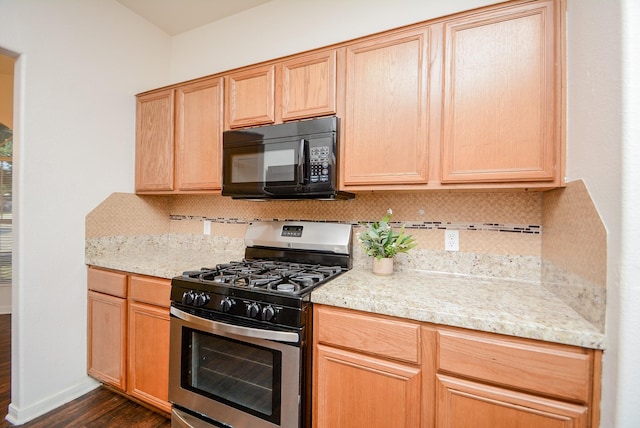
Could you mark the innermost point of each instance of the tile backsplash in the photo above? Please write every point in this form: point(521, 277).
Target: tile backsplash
point(489, 223)
point(574, 251)
point(527, 236)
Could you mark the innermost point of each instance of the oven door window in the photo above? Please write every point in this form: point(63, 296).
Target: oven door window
point(242, 375)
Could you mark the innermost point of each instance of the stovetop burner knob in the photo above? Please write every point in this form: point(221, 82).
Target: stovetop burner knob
point(201, 299)
point(187, 297)
point(226, 304)
point(268, 313)
point(253, 309)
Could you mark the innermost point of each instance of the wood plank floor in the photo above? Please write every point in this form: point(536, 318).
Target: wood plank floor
point(100, 408)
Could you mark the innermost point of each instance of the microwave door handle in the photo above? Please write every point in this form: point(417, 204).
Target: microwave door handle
point(303, 162)
point(219, 327)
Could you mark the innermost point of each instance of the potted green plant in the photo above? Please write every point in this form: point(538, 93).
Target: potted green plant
point(382, 243)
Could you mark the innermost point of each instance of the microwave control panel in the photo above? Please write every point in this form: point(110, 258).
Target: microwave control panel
point(320, 158)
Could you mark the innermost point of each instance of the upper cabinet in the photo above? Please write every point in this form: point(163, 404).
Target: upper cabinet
point(385, 131)
point(307, 85)
point(199, 135)
point(179, 138)
point(303, 86)
point(154, 141)
point(470, 101)
point(501, 118)
point(250, 97)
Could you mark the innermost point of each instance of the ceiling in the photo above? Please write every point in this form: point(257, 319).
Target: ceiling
point(177, 16)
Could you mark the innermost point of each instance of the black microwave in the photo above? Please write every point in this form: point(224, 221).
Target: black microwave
point(294, 160)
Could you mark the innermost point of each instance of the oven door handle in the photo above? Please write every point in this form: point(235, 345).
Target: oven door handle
point(184, 420)
point(220, 327)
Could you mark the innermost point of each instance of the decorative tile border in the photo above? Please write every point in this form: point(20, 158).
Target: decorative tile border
point(425, 225)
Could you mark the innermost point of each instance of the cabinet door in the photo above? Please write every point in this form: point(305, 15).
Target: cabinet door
point(107, 339)
point(199, 135)
point(501, 97)
point(463, 403)
point(308, 86)
point(385, 121)
point(149, 354)
point(354, 390)
point(250, 97)
point(154, 141)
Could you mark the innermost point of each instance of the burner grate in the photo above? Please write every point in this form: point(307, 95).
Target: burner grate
point(268, 275)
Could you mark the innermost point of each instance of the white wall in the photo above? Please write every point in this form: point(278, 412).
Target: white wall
point(627, 407)
point(79, 65)
point(603, 150)
point(283, 27)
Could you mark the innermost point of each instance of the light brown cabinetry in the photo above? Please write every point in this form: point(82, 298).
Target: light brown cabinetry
point(385, 137)
point(149, 340)
point(502, 96)
point(307, 85)
point(179, 138)
point(486, 380)
point(300, 87)
point(464, 403)
point(198, 142)
point(107, 327)
point(154, 141)
point(128, 334)
point(382, 371)
point(250, 98)
point(366, 372)
point(472, 101)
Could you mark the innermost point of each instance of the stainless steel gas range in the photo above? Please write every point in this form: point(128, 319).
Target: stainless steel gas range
point(241, 331)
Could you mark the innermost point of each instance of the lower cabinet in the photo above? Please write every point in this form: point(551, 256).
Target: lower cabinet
point(377, 371)
point(464, 403)
point(371, 392)
point(107, 339)
point(149, 354)
point(367, 371)
point(129, 334)
point(107, 327)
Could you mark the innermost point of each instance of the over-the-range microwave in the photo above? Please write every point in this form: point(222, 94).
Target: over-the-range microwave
point(294, 160)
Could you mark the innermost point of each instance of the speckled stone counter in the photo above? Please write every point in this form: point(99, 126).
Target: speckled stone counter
point(518, 308)
point(162, 256)
point(508, 307)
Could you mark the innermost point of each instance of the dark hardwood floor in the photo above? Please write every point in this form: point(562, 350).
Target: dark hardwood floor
point(100, 408)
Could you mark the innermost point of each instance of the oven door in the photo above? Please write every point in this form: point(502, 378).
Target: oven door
point(234, 375)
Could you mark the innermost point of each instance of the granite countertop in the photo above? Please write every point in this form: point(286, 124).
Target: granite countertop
point(161, 263)
point(514, 308)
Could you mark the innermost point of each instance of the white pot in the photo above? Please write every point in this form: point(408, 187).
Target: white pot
point(383, 267)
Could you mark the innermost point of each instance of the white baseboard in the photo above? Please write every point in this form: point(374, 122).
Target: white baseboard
point(4, 310)
point(19, 416)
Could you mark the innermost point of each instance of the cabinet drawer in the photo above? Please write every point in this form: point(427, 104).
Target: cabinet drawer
point(556, 370)
point(155, 291)
point(107, 282)
point(373, 334)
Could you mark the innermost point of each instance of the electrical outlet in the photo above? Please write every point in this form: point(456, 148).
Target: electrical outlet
point(451, 240)
point(207, 227)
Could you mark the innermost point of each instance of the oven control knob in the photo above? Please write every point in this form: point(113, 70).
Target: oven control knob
point(187, 297)
point(253, 309)
point(268, 313)
point(201, 299)
point(226, 304)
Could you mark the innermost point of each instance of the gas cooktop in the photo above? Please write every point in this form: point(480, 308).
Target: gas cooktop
point(267, 275)
point(283, 263)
